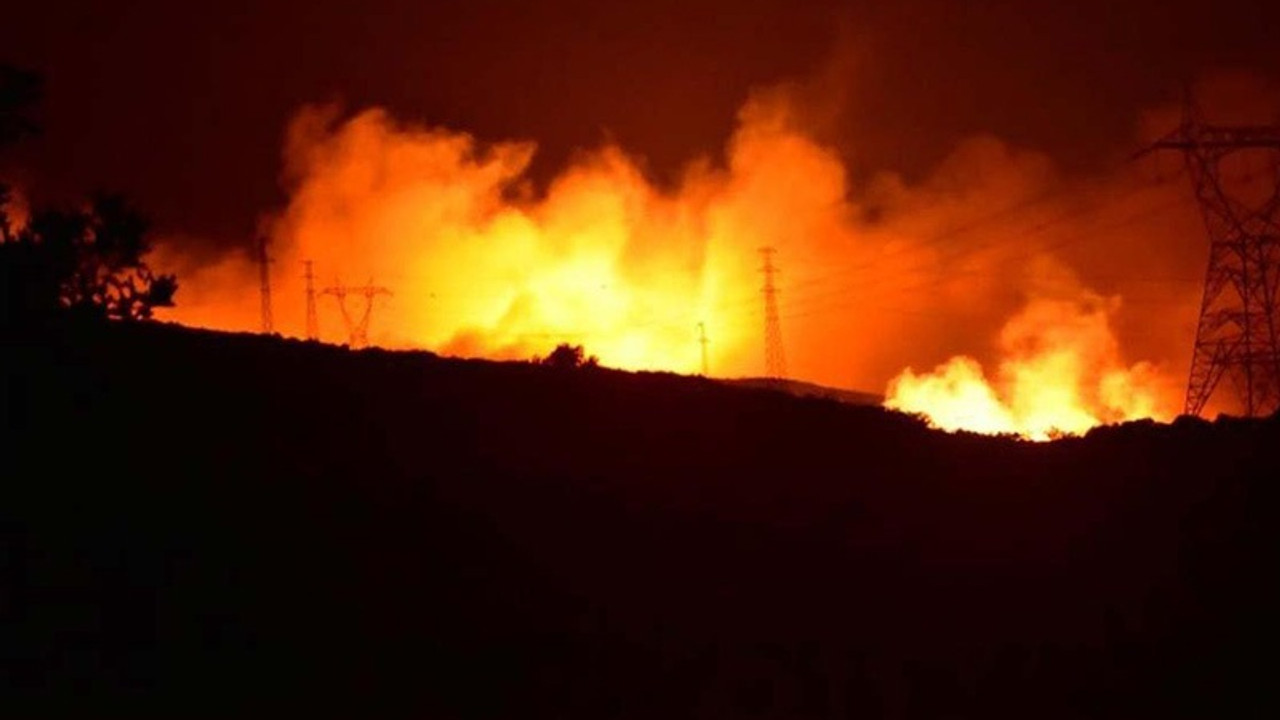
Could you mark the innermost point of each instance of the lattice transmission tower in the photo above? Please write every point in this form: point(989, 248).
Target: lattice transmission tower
point(775, 358)
point(702, 342)
point(264, 285)
point(313, 321)
point(357, 330)
point(1236, 335)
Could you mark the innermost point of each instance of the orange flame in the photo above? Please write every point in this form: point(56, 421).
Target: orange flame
point(1060, 374)
point(16, 209)
point(479, 267)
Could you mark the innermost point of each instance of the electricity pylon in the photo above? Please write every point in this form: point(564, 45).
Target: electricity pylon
point(264, 285)
point(313, 321)
point(702, 341)
point(357, 331)
point(1236, 335)
point(775, 358)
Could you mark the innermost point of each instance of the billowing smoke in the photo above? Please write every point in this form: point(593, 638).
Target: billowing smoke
point(996, 256)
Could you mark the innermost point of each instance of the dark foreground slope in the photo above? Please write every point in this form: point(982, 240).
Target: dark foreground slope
point(197, 523)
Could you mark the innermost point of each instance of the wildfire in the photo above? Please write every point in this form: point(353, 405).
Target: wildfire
point(14, 208)
point(482, 263)
point(1060, 373)
point(480, 268)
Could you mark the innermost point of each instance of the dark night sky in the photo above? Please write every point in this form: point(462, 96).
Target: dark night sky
point(183, 106)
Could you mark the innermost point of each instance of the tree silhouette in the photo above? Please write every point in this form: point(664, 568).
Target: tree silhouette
point(569, 357)
point(88, 262)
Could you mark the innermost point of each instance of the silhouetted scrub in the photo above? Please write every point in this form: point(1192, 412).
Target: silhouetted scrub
point(569, 357)
point(87, 263)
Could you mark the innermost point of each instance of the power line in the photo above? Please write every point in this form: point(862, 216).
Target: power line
point(968, 228)
point(843, 301)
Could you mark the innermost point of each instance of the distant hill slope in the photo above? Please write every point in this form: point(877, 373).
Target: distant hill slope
point(800, 388)
point(211, 524)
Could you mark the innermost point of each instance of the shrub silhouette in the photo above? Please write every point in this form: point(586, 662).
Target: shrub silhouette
point(88, 262)
point(569, 357)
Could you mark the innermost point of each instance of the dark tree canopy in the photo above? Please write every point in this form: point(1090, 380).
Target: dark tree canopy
point(88, 262)
point(569, 356)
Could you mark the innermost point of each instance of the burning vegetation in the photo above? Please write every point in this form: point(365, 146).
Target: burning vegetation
point(1048, 281)
point(1060, 372)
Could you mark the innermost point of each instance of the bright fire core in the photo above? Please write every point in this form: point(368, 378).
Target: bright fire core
point(1059, 374)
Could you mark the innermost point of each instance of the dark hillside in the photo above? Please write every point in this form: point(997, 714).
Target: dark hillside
point(805, 389)
point(199, 523)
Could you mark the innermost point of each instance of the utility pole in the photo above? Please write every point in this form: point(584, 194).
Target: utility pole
point(313, 321)
point(1236, 335)
point(702, 340)
point(357, 330)
point(775, 359)
point(264, 285)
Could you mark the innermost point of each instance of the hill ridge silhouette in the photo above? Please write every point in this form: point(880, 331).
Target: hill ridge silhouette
point(216, 522)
